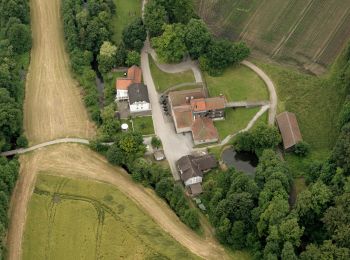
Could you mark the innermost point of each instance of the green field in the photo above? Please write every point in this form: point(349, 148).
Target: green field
point(77, 219)
point(238, 83)
point(127, 10)
point(299, 32)
point(144, 125)
point(235, 120)
point(164, 80)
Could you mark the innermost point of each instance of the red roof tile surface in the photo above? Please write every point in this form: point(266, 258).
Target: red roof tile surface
point(203, 129)
point(134, 76)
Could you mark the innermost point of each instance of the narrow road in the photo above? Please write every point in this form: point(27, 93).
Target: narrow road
point(175, 145)
point(38, 146)
point(270, 87)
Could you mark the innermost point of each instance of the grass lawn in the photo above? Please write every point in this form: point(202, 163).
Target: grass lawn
point(164, 80)
point(235, 120)
point(144, 125)
point(78, 219)
point(127, 10)
point(238, 83)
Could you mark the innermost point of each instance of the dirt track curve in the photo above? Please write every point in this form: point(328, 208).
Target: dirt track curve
point(53, 110)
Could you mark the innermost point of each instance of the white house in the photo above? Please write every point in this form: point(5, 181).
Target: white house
point(138, 98)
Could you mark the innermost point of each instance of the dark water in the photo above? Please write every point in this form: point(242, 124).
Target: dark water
point(242, 161)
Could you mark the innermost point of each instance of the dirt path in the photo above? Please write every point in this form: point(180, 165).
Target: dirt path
point(53, 106)
point(73, 160)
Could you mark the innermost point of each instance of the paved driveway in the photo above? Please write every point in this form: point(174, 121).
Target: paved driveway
point(175, 145)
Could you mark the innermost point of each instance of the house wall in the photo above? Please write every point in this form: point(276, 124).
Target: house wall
point(140, 106)
point(193, 180)
point(197, 142)
point(122, 95)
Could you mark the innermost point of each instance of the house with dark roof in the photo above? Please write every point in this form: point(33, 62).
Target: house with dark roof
point(138, 98)
point(134, 75)
point(193, 112)
point(289, 129)
point(191, 171)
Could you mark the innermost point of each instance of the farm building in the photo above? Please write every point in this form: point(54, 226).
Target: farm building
point(191, 171)
point(138, 98)
point(289, 128)
point(193, 112)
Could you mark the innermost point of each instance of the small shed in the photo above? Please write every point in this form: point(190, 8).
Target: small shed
point(159, 155)
point(289, 128)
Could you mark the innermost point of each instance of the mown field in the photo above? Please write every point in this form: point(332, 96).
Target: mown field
point(238, 83)
point(299, 32)
point(78, 219)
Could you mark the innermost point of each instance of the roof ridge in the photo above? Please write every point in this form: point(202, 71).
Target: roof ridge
point(290, 127)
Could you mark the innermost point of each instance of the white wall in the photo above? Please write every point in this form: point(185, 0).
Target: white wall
point(140, 106)
point(122, 94)
point(193, 180)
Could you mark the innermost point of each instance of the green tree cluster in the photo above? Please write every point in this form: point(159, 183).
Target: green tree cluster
point(87, 30)
point(256, 140)
point(15, 44)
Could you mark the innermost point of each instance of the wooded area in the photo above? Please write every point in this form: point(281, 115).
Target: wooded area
point(15, 44)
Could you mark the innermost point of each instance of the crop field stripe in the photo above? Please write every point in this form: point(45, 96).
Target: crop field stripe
point(326, 43)
point(290, 33)
point(100, 207)
point(244, 31)
point(337, 42)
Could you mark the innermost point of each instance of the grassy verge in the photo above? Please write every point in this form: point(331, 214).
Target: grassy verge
point(78, 219)
point(238, 83)
point(164, 80)
point(127, 10)
point(235, 120)
point(144, 125)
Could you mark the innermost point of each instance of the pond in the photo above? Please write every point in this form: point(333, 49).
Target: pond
point(241, 161)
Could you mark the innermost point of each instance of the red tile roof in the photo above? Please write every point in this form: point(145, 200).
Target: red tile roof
point(203, 129)
point(289, 128)
point(206, 104)
point(134, 76)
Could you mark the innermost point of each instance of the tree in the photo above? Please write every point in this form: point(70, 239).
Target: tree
point(107, 57)
point(221, 54)
point(238, 234)
point(133, 58)
point(341, 151)
point(115, 155)
point(155, 17)
point(155, 142)
point(344, 116)
point(302, 149)
point(134, 35)
point(197, 38)
point(191, 218)
point(170, 46)
point(288, 252)
point(22, 141)
point(19, 36)
point(164, 186)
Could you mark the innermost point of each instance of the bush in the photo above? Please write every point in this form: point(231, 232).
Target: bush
point(302, 149)
point(156, 142)
point(22, 141)
point(191, 218)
